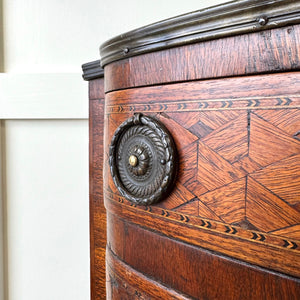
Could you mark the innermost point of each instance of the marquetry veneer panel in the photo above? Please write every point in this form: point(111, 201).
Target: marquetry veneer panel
point(239, 152)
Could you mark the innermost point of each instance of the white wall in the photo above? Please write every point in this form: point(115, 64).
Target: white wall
point(44, 111)
point(47, 213)
point(59, 35)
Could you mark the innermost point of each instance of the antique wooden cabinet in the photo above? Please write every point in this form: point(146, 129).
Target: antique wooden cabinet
point(198, 139)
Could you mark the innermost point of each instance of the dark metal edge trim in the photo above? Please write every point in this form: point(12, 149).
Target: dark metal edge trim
point(92, 70)
point(231, 18)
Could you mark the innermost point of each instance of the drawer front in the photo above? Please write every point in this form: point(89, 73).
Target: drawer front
point(237, 190)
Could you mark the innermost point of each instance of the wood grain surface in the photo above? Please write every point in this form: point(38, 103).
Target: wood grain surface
point(97, 210)
point(251, 92)
point(230, 227)
point(237, 190)
point(267, 51)
point(197, 273)
point(124, 282)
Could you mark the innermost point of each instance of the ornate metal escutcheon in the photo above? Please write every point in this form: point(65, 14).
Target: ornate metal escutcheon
point(142, 158)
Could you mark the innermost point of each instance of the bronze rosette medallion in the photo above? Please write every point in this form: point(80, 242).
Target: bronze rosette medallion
point(142, 158)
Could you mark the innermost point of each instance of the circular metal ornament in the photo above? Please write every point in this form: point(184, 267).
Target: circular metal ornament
point(142, 160)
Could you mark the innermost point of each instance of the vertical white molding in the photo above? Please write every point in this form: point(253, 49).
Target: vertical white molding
point(3, 265)
point(43, 96)
point(1, 37)
point(2, 262)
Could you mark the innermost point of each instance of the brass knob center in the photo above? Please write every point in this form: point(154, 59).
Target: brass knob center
point(133, 161)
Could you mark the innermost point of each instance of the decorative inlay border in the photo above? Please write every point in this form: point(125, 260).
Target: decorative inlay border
point(277, 102)
point(211, 225)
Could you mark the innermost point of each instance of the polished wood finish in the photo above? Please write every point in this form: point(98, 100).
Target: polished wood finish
point(124, 282)
point(96, 89)
point(97, 210)
point(195, 272)
point(230, 150)
point(251, 92)
point(233, 136)
point(253, 53)
point(229, 94)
